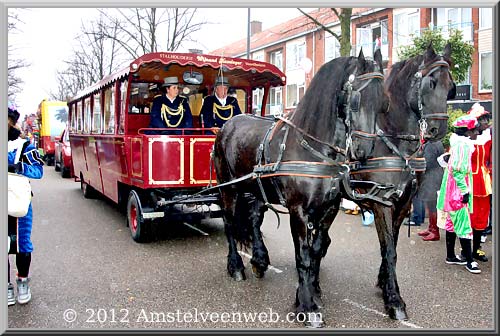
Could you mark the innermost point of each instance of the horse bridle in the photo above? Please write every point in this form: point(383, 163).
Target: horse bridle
point(419, 75)
point(353, 98)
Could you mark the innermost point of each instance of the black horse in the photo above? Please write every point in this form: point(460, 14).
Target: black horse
point(296, 162)
point(418, 90)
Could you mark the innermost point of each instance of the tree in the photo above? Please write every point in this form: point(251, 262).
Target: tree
point(146, 30)
point(344, 38)
point(14, 82)
point(117, 37)
point(461, 51)
point(94, 57)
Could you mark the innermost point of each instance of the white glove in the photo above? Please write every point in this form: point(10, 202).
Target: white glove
point(442, 161)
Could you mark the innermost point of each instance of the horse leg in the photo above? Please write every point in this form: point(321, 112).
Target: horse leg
point(235, 266)
point(308, 253)
point(255, 216)
point(387, 280)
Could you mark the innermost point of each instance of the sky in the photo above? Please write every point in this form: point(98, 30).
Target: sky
point(46, 36)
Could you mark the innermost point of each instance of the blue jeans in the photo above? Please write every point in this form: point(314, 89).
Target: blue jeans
point(418, 215)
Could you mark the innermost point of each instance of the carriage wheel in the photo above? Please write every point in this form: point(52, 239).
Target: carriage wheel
point(87, 190)
point(135, 220)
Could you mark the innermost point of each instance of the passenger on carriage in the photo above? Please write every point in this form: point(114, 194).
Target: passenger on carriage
point(170, 110)
point(219, 108)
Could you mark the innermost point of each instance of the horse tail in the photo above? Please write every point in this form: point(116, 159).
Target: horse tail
point(235, 205)
point(242, 224)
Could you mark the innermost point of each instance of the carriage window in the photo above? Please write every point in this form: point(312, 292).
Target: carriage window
point(123, 106)
point(86, 115)
point(241, 96)
point(141, 97)
point(79, 117)
point(96, 117)
point(72, 114)
point(109, 110)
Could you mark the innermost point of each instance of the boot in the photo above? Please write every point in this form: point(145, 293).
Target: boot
point(433, 228)
point(424, 233)
point(477, 253)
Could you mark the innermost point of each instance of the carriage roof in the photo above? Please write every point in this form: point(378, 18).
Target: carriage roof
point(153, 67)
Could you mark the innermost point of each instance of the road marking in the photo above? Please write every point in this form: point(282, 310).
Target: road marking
point(277, 270)
point(196, 229)
point(363, 307)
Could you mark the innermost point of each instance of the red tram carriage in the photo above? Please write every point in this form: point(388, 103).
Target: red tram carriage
point(157, 176)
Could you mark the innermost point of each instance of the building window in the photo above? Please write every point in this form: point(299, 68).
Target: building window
point(276, 58)
point(295, 53)
point(485, 18)
point(332, 47)
point(486, 71)
point(406, 26)
point(257, 95)
point(275, 101)
point(294, 93)
point(455, 18)
point(258, 56)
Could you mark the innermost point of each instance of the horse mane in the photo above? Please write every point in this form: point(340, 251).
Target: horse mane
point(401, 78)
point(318, 107)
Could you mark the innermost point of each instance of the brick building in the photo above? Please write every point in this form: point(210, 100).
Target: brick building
point(300, 47)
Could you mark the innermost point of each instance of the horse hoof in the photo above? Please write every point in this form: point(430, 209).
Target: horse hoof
point(257, 272)
point(239, 276)
point(314, 320)
point(398, 313)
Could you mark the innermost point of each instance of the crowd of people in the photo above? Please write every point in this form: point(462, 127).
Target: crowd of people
point(459, 183)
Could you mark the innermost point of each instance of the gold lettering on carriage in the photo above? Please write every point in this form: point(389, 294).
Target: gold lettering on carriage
point(173, 56)
point(206, 59)
point(227, 61)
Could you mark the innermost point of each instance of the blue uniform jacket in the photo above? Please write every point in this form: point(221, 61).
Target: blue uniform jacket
point(216, 116)
point(32, 167)
point(165, 114)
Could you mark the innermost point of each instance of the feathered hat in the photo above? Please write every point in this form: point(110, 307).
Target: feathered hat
point(468, 121)
point(477, 111)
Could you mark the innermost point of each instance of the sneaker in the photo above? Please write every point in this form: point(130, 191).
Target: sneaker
point(473, 267)
point(480, 255)
point(23, 290)
point(11, 296)
point(456, 260)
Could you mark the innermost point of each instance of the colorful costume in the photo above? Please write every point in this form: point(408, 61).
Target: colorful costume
point(481, 181)
point(456, 182)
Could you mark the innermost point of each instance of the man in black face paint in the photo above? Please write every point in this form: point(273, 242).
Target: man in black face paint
point(29, 164)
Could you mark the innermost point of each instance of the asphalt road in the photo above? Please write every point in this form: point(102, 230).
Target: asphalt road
point(88, 273)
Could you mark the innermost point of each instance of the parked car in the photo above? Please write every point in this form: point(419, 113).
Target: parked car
point(62, 155)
